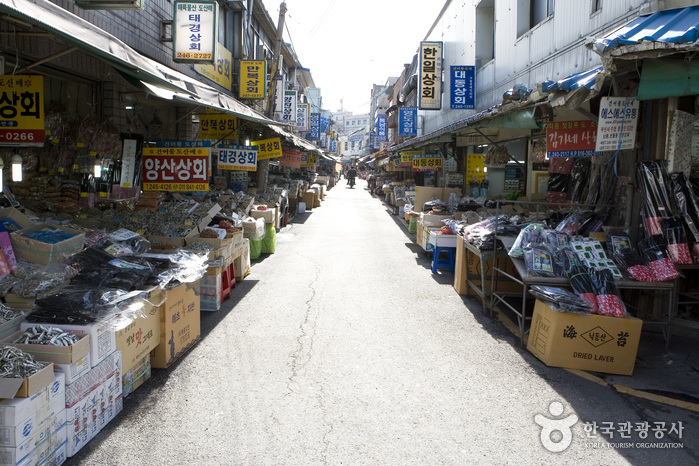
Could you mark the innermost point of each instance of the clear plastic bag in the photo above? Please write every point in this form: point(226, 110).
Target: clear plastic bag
point(531, 234)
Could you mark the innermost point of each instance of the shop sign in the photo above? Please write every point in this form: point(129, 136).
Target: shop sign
point(303, 115)
point(407, 121)
point(381, 127)
point(253, 79)
point(268, 148)
point(383, 162)
point(289, 108)
point(219, 72)
point(217, 126)
point(475, 167)
point(463, 87)
point(406, 157)
point(291, 158)
point(616, 126)
point(308, 160)
point(194, 27)
point(455, 179)
point(333, 146)
point(131, 147)
point(230, 157)
point(430, 77)
point(315, 126)
point(279, 94)
point(21, 110)
point(175, 169)
point(571, 139)
point(427, 163)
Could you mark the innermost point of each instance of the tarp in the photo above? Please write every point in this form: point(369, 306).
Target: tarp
point(668, 77)
point(574, 81)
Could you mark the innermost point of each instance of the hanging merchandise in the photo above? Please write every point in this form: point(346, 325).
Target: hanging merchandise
point(655, 191)
point(581, 282)
point(677, 246)
point(688, 207)
point(579, 176)
point(653, 251)
point(608, 300)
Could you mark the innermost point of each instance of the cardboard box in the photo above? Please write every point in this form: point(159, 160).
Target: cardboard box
point(140, 337)
point(11, 326)
point(241, 264)
point(58, 456)
point(309, 199)
point(51, 399)
point(51, 451)
point(52, 353)
point(136, 376)
point(11, 220)
point(442, 241)
point(587, 342)
point(426, 193)
point(39, 252)
point(93, 378)
point(460, 273)
point(24, 435)
point(39, 443)
point(74, 370)
point(179, 325)
point(24, 388)
point(502, 283)
point(268, 215)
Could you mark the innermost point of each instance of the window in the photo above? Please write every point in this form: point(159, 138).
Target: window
point(596, 5)
point(532, 12)
point(485, 32)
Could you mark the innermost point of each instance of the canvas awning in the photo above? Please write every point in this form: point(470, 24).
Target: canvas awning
point(158, 79)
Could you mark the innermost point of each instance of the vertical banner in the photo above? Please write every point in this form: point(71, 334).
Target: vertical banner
point(131, 147)
point(253, 79)
point(289, 107)
point(407, 121)
point(279, 95)
point(303, 116)
point(315, 126)
point(381, 128)
point(194, 31)
point(430, 76)
point(463, 87)
point(616, 127)
point(21, 110)
point(219, 72)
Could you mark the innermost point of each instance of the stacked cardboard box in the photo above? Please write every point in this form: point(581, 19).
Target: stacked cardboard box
point(179, 324)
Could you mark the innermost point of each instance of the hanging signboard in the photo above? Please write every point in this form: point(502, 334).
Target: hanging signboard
point(430, 76)
point(194, 28)
point(463, 87)
point(406, 157)
point(315, 126)
point(291, 158)
point(427, 163)
point(236, 157)
point(175, 169)
point(217, 126)
point(308, 160)
point(219, 72)
point(131, 147)
point(616, 126)
point(381, 128)
point(289, 107)
point(407, 121)
point(571, 139)
point(279, 94)
point(21, 110)
point(253, 79)
point(268, 148)
point(303, 115)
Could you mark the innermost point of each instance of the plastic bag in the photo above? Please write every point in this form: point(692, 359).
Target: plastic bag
point(255, 248)
point(655, 255)
point(531, 234)
point(269, 243)
point(608, 300)
point(677, 247)
point(656, 194)
point(582, 284)
point(560, 299)
point(539, 260)
point(625, 257)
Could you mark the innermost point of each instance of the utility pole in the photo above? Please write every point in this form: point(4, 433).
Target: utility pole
point(263, 165)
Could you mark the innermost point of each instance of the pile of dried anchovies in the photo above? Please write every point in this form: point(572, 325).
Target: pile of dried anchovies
point(7, 313)
point(18, 364)
point(41, 335)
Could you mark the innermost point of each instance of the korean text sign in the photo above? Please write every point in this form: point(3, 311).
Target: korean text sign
point(217, 126)
point(571, 138)
point(407, 121)
point(406, 157)
point(21, 110)
point(236, 158)
point(253, 79)
point(381, 128)
point(268, 148)
point(194, 31)
point(303, 115)
point(315, 126)
point(220, 71)
point(427, 163)
point(430, 76)
point(291, 158)
point(463, 87)
point(175, 169)
point(616, 126)
point(289, 106)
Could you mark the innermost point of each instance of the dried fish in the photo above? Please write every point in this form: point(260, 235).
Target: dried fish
point(7, 313)
point(42, 335)
point(18, 364)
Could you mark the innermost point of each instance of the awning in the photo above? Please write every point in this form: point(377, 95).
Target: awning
point(668, 77)
point(663, 30)
point(574, 81)
point(161, 80)
point(296, 140)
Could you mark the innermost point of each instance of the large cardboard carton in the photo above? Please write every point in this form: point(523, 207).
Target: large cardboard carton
point(51, 399)
point(11, 326)
point(52, 353)
point(587, 342)
point(179, 325)
point(39, 252)
point(38, 443)
point(11, 220)
point(24, 388)
point(136, 376)
point(241, 263)
point(268, 215)
point(309, 199)
point(74, 370)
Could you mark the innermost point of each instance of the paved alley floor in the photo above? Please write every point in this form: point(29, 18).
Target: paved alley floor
point(343, 348)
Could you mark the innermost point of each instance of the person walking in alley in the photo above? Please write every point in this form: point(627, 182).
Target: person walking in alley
point(351, 175)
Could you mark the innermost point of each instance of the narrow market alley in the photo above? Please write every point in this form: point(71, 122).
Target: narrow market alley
point(344, 347)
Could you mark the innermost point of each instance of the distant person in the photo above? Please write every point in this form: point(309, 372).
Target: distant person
point(351, 175)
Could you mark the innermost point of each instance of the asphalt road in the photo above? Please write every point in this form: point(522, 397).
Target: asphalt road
point(343, 348)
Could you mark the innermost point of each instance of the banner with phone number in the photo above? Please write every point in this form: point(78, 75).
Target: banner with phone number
point(427, 163)
point(21, 110)
point(175, 169)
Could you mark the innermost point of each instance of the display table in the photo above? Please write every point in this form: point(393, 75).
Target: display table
point(484, 256)
point(526, 280)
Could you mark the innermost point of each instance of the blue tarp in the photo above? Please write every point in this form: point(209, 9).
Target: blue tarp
point(676, 26)
point(573, 81)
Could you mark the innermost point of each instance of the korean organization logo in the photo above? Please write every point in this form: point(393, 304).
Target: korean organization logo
point(556, 434)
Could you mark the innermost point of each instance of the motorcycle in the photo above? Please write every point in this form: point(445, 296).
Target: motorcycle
point(351, 182)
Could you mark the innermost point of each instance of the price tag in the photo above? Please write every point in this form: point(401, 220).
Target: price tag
point(188, 222)
point(141, 232)
point(83, 194)
point(103, 194)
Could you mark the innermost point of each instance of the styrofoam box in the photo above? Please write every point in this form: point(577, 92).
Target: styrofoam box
point(75, 370)
point(51, 399)
point(40, 448)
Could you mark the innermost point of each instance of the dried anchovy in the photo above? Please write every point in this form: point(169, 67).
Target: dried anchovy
point(18, 364)
point(38, 283)
point(41, 335)
point(7, 313)
point(201, 246)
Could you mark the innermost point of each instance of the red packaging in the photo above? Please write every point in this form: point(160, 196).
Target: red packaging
point(592, 299)
point(663, 269)
point(679, 253)
point(611, 305)
point(653, 226)
point(642, 273)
